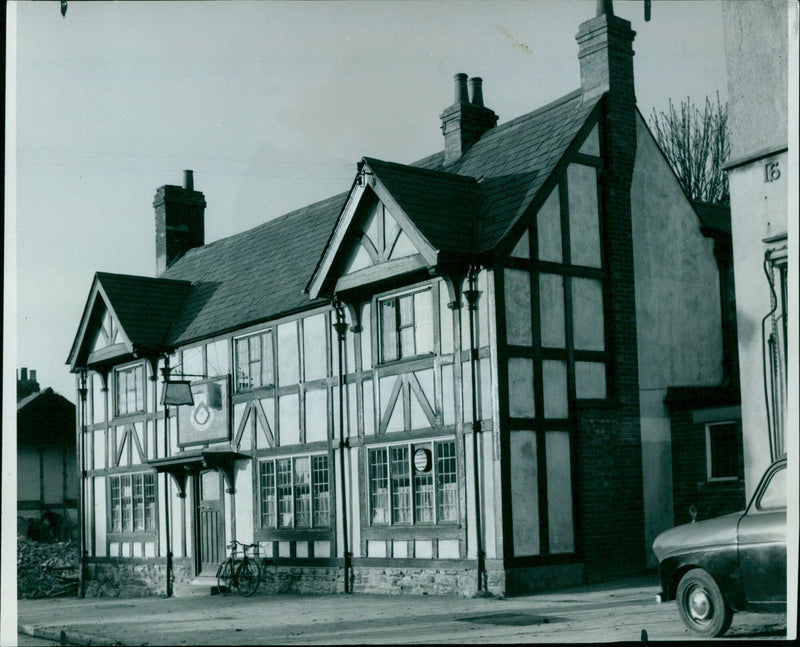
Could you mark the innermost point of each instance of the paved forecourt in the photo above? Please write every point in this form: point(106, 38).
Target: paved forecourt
point(602, 613)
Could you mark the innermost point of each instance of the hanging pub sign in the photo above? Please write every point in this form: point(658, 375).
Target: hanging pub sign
point(422, 459)
point(208, 419)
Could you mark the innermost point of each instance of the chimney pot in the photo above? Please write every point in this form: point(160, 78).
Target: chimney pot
point(476, 90)
point(461, 89)
point(605, 7)
point(23, 373)
point(188, 180)
point(33, 375)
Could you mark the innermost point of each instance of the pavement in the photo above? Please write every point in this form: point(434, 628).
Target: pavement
point(609, 612)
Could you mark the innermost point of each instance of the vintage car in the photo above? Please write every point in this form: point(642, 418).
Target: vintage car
point(732, 563)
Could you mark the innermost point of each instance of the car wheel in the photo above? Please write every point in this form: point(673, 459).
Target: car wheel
point(701, 604)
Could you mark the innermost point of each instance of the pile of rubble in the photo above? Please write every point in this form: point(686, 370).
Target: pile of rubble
point(46, 570)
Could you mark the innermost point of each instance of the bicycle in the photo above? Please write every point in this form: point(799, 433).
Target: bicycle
point(242, 573)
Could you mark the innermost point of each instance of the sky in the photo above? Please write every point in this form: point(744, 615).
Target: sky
point(272, 105)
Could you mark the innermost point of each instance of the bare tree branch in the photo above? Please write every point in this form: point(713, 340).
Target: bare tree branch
point(696, 145)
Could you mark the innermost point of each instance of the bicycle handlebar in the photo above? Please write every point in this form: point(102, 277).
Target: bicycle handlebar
point(234, 543)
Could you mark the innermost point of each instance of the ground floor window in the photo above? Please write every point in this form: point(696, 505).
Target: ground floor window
point(295, 492)
point(722, 450)
point(133, 502)
point(413, 483)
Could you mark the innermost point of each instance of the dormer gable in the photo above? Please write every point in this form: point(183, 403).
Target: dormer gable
point(125, 316)
point(397, 220)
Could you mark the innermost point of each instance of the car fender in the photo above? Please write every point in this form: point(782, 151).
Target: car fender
point(721, 563)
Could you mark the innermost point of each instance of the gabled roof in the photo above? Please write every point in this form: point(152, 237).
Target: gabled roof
point(467, 207)
point(513, 161)
point(142, 306)
point(145, 307)
point(45, 418)
point(442, 205)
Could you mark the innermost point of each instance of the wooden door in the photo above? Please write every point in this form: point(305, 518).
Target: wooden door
point(211, 521)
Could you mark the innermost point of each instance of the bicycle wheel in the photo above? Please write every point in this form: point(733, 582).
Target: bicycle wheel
point(224, 577)
point(247, 578)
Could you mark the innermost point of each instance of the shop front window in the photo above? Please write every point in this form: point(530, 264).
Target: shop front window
point(413, 483)
point(133, 503)
point(295, 492)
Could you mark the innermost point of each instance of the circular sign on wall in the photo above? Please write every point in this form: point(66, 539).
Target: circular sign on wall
point(422, 459)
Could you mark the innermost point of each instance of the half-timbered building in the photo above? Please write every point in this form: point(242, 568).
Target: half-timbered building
point(446, 379)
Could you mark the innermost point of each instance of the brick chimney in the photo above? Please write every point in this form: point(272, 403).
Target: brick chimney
point(605, 54)
point(466, 120)
point(180, 221)
point(26, 384)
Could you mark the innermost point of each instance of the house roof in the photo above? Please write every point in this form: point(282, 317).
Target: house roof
point(512, 161)
point(256, 275)
point(145, 307)
point(442, 205)
point(260, 274)
point(45, 417)
point(714, 217)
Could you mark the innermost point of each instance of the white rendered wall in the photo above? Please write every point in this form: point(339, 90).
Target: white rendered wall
point(678, 316)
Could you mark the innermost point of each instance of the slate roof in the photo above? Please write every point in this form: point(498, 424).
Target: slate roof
point(256, 275)
point(713, 216)
point(438, 203)
point(260, 274)
point(513, 160)
point(145, 306)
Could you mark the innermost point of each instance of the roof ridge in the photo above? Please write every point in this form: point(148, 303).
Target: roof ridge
point(139, 277)
point(424, 170)
point(280, 218)
point(556, 103)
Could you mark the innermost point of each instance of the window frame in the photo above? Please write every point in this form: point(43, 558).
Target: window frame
point(266, 337)
point(709, 450)
point(148, 505)
point(270, 508)
point(413, 477)
point(140, 392)
point(398, 326)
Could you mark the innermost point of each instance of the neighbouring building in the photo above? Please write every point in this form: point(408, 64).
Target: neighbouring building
point(705, 421)
point(506, 317)
point(47, 478)
point(756, 51)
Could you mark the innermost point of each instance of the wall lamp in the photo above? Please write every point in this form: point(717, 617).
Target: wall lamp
point(177, 392)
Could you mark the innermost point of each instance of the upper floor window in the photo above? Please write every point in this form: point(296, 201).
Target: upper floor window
point(129, 389)
point(295, 492)
point(406, 325)
point(413, 483)
point(133, 502)
point(254, 361)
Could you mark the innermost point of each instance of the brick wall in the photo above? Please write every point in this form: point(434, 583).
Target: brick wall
point(690, 485)
point(608, 453)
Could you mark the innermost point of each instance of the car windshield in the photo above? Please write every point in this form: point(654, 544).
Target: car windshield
point(774, 496)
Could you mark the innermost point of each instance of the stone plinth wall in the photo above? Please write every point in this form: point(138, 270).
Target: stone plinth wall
point(134, 577)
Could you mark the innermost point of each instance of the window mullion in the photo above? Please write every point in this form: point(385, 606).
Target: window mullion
point(389, 488)
point(397, 341)
point(434, 485)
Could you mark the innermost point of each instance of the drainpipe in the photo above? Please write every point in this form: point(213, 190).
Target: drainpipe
point(341, 329)
point(82, 391)
point(472, 295)
point(165, 374)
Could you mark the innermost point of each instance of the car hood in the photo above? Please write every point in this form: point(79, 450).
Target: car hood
point(700, 535)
